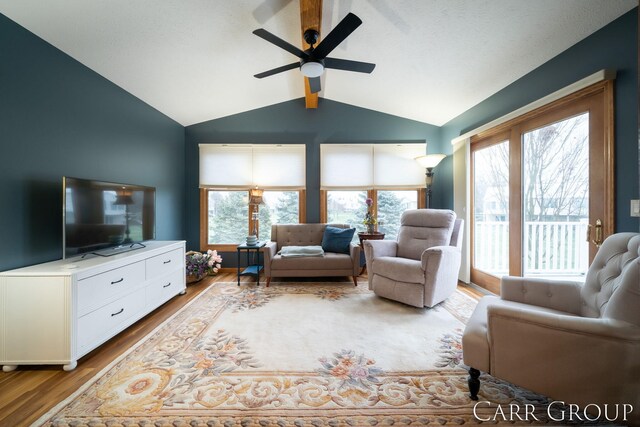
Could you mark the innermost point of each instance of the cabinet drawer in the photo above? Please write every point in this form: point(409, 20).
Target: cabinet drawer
point(160, 290)
point(104, 323)
point(160, 265)
point(95, 291)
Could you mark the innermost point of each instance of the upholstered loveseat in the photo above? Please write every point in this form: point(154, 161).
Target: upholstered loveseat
point(331, 264)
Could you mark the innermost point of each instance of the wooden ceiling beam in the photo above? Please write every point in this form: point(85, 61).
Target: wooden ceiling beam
point(310, 17)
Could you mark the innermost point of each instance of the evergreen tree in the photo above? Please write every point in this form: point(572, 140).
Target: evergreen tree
point(287, 207)
point(355, 217)
point(228, 224)
point(264, 232)
point(390, 209)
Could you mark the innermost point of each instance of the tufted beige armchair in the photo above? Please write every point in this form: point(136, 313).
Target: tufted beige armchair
point(421, 268)
point(571, 342)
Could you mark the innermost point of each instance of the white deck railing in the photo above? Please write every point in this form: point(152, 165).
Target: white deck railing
point(550, 248)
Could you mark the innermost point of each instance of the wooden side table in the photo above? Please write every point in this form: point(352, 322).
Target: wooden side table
point(368, 236)
point(253, 266)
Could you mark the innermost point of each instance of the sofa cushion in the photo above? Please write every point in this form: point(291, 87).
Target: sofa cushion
point(398, 269)
point(337, 240)
point(330, 261)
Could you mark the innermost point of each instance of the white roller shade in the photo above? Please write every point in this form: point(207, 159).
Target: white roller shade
point(225, 166)
point(394, 166)
point(346, 166)
point(247, 166)
point(279, 166)
point(371, 166)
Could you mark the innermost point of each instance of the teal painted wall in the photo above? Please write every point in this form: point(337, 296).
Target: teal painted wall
point(290, 123)
point(58, 117)
point(614, 47)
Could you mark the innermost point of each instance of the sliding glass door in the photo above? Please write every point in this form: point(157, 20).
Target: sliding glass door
point(542, 191)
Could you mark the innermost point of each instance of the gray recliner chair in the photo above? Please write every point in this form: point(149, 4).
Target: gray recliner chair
point(421, 267)
point(571, 342)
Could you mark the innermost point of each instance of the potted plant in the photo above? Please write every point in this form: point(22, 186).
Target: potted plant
point(199, 265)
point(370, 220)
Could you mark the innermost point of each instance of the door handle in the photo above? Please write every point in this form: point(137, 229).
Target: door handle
point(598, 232)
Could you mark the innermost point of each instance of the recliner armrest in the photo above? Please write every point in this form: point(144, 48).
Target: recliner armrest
point(269, 251)
point(438, 254)
point(557, 295)
point(379, 248)
point(441, 266)
point(376, 249)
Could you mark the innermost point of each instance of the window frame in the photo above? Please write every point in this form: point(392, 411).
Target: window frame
point(597, 99)
point(231, 247)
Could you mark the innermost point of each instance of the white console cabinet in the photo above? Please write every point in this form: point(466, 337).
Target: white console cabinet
point(55, 313)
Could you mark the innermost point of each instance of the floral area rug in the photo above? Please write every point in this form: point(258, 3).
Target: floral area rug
point(311, 354)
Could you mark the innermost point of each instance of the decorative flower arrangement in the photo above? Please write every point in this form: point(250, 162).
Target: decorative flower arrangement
point(369, 220)
point(199, 264)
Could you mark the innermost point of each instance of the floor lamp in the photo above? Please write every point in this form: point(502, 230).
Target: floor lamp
point(429, 162)
point(255, 200)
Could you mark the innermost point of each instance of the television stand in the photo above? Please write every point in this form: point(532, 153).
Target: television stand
point(55, 313)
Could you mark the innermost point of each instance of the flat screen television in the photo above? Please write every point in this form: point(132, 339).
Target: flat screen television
point(106, 218)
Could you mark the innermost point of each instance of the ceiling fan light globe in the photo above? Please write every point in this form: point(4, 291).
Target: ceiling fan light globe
point(312, 69)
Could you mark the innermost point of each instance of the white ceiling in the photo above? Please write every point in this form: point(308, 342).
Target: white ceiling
point(194, 60)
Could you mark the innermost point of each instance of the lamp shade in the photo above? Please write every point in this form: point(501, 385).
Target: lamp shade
point(123, 197)
point(255, 196)
point(430, 160)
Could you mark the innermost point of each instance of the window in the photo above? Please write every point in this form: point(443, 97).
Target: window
point(228, 172)
point(386, 173)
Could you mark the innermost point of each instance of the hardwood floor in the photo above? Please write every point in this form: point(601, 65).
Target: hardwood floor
point(30, 391)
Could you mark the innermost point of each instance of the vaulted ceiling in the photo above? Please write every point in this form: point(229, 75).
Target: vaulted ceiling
point(194, 60)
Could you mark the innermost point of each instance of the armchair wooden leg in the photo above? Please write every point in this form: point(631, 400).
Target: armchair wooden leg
point(474, 383)
point(268, 281)
point(355, 280)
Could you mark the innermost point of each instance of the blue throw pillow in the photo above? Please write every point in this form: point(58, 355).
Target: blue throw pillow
point(337, 239)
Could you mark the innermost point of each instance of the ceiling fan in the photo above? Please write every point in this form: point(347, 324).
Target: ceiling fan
point(314, 60)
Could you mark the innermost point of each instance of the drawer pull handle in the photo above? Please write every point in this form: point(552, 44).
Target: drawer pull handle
point(115, 314)
point(167, 285)
point(118, 281)
point(167, 262)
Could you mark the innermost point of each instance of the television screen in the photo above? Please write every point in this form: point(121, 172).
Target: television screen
point(101, 217)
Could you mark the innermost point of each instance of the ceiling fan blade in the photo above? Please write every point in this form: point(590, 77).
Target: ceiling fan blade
point(277, 70)
point(347, 65)
point(314, 84)
point(260, 32)
point(337, 36)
